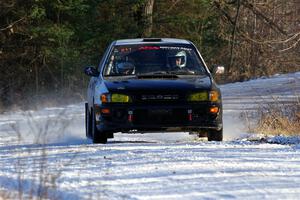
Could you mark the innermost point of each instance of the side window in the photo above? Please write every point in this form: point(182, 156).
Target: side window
point(109, 66)
point(121, 61)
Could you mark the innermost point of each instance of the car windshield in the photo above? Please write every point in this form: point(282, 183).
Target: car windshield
point(153, 59)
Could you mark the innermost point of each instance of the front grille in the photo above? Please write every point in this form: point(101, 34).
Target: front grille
point(160, 116)
point(200, 112)
point(159, 97)
point(119, 114)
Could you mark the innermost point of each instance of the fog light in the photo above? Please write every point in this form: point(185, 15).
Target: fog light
point(214, 110)
point(105, 111)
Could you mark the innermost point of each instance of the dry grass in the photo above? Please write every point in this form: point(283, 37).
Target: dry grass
point(278, 119)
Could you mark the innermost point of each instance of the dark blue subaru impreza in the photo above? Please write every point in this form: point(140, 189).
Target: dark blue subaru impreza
point(152, 84)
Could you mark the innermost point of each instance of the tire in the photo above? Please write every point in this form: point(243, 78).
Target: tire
point(97, 136)
point(110, 135)
point(88, 122)
point(202, 134)
point(215, 135)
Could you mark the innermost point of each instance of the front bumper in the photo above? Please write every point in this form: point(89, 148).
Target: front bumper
point(123, 117)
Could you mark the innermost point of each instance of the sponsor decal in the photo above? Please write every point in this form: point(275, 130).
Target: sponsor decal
point(160, 97)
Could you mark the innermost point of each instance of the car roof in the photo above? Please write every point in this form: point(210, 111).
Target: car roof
point(152, 40)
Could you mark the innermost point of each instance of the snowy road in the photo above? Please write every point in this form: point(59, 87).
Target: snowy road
point(149, 166)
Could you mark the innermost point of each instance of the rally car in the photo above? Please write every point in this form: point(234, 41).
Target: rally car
point(150, 85)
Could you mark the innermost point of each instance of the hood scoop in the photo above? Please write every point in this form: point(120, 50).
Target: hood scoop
point(157, 76)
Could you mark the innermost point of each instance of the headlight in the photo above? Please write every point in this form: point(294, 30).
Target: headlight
point(199, 96)
point(115, 98)
point(204, 96)
point(120, 98)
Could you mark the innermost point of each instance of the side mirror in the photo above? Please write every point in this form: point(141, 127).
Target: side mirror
point(218, 70)
point(91, 71)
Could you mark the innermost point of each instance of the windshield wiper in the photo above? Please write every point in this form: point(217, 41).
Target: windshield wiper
point(121, 75)
point(159, 75)
point(183, 72)
point(167, 74)
point(153, 73)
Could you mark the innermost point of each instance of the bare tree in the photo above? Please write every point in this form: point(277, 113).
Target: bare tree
point(267, 34)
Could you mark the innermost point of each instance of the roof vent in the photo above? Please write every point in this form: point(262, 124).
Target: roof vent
point(152, 40)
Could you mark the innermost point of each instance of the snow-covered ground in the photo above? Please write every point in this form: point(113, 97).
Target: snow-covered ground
point(45, 153)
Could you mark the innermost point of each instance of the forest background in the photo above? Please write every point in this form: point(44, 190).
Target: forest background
point(45, 44)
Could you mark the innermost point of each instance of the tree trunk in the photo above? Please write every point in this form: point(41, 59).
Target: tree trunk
point(148, 12)
point(233, 36)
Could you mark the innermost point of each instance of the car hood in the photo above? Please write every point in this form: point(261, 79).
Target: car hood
point(186, 83)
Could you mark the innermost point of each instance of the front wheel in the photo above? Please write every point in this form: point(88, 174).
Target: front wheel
point(215, 135)
point(97, 136)
point(88, 121)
